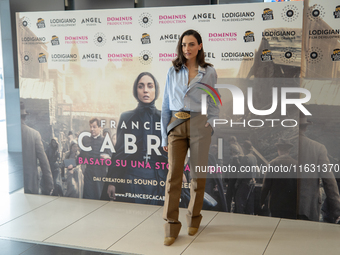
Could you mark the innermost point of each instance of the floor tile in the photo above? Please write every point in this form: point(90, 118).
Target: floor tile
point(148, 237)
point(305, 237)
point(46, 220)
point(18, 204)
point(231, 233)
point(49, 250)
point(105, 226)
point(11, 247)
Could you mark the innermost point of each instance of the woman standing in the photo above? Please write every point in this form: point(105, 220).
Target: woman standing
point(145, 116)
point(183, 127)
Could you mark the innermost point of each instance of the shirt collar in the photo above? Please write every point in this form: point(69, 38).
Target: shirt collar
point(200, 69)
point(95, 137)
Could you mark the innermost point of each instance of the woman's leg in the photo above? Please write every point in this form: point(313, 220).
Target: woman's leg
point(200, 138)
point(177, 150)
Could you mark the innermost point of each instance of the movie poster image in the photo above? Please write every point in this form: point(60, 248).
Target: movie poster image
point(92, 83)
point(319, 153)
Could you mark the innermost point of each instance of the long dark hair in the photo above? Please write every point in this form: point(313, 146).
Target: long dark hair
point(135, 93)
point(180, 60)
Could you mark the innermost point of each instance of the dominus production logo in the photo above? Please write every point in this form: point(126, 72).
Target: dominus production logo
point(119, 20)
point(336, 13)
point(42, 58)
point(249, 36)
point(26, 58)
point(145, 38)
point(41, 23)
point(163, 57)
point(145, 19)
point(25, 22)
point(288, 55)
point(220, 37)
point(172, 19)
point(266, 55)
point(55, 40)
point(99, 39)
point(145, 57)
point(120, 57)
point(314, 55)
point(290, 13)
point(316, 12)
point(336, 55)
point(268, 14)
point(204, 17)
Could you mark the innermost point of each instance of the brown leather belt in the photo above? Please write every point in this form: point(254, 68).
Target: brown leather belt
point(181, 117)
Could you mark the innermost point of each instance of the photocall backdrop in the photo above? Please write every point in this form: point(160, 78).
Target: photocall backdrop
point(78, 65)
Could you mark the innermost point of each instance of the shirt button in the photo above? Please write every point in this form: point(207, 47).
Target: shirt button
point(186, 95)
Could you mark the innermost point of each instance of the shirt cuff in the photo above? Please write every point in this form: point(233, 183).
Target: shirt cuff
point(164, 141)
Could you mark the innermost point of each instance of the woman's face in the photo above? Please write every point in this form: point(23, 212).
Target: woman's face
point(190, 47)
point(146, 90)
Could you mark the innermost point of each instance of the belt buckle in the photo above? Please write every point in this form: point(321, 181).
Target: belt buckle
point(182, 115)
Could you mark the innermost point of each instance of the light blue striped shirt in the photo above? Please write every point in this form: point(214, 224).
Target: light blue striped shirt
point(179, 96)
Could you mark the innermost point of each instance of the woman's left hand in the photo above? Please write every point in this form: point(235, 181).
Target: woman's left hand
point(207, 124)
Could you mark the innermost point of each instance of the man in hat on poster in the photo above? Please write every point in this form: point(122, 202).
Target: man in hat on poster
point(33, 150)
point(309, 200)
point(281, 186)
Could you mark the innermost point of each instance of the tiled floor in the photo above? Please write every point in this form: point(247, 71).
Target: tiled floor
point(31, 224)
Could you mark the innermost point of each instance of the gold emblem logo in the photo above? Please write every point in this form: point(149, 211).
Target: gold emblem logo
point(182, 115)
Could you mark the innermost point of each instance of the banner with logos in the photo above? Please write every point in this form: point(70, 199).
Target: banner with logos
point(80, 75)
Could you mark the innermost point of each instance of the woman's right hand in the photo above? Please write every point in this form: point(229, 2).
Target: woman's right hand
point(165, 148)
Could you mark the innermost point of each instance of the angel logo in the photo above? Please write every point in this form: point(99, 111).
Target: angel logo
point(336, 55)
point(290, 13)
point(55, 40)
point(41, 23)
point(145, 57)
point(266, 55)
point(42, 58)
point(268, 14)
point(337, 12)
point(99, 39)
point(145, 19)
point(249, 36)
